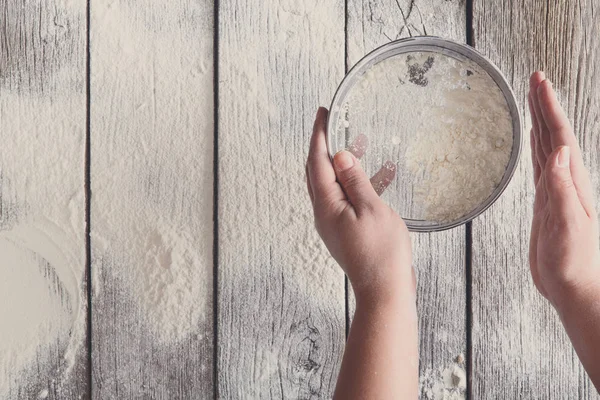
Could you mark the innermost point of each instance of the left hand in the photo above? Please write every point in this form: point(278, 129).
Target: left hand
point(564, 255)
point(366, 237)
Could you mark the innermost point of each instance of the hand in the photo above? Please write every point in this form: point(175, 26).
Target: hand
point(368, 239)
point(564, 255)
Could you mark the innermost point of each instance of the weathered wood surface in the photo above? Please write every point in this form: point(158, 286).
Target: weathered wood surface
point(519, 347)
point(438, 258)
point(42, 136)
point(151, 103)
point(280, 297)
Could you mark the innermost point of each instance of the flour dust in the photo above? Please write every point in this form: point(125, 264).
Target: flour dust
point(152, 169)
point(42, 246)
point(449, 383)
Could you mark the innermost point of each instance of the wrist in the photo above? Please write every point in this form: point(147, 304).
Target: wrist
point(577, 297)
point(393, 293)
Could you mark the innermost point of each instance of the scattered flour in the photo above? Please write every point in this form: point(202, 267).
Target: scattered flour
point(166, 281)
point(32, 315)
point(152, 166)
point(163, 244)
point(42, 251)
point(447, 384)
point(269, 252)
point(443, 121)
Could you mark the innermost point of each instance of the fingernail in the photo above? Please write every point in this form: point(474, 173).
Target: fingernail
point(563, 157)
point(343, 160)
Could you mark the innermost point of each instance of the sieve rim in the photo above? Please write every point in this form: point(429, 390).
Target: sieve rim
point(439, 45)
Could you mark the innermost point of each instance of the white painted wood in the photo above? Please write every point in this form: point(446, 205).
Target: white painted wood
point(520, 349)
point(439, 258)
point(42, 136)
point(281, 298)
point(152, 149)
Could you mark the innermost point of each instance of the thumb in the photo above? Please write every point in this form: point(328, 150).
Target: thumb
point(354, 181)
point(562, 193)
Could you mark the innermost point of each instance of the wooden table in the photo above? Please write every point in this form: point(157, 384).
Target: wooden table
point(279, 309)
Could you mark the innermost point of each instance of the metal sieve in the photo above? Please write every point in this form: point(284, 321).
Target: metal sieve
point(447, 48)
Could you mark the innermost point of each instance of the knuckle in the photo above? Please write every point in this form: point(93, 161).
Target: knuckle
point(565, 182)
point(351, 179)
point(355, 182)
point(325, 210)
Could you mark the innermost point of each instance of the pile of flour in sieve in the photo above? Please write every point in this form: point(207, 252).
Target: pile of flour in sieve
point(443, 121)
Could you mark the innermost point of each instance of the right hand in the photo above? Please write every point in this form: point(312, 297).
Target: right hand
point(564, 253)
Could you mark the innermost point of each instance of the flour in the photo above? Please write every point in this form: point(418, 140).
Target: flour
point(443, 121)
point(270, 255)
point(152, 166)
point(42, 251)
point(449, 383)
point(165, 282)
point(32, 315)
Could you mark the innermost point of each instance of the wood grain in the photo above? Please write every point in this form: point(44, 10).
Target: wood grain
point(152, 130)
point(281, 298)
point(519, 347)
point(38, 39)
point(439, 258)
point(42, 132)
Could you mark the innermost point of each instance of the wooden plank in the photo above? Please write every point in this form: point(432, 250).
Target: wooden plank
point(519, 347)
point(439, 258)
point(281, 298)
point(152, 130)
point(42, 202)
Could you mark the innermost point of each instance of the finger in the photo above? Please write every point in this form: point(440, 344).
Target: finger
point(359, 146)
point(355, 182)
point(532, 140)
point(543, 135)
point(540, 157)
point(561, 134)
point(382, 179)
point(320, 171)
point(543, 146)
point(559, 127)
point(537, 171)
point(310, 193)
point(562, 195)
